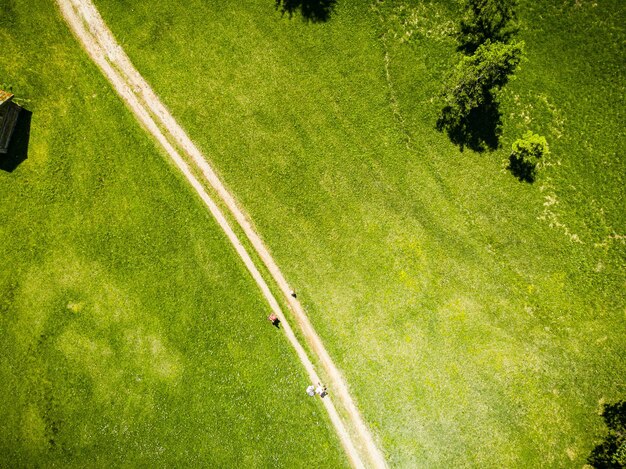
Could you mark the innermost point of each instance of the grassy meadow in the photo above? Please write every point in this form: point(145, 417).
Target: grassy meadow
point(479, 321)
point(130, 333)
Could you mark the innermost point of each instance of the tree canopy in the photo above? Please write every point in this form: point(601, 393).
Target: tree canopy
point(526, 154)
point(476, 75)
point(469, 100)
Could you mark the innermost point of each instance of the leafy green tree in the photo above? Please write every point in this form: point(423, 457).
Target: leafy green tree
point(469, 91)
point(477, 75)
point(486, 20)
point(611, 453)
point(526, 154)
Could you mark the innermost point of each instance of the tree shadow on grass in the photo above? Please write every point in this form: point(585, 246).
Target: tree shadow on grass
point(484, 21)
point(315, 11)
point(523, 170)
point(480, 130)
point(18, 147)
point(611, 453)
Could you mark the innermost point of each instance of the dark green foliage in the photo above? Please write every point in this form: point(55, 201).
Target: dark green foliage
point(488, 69)
point(470, 114)
point(611, 453)
point(526, 154)
point(486, 20)
point(312, 10)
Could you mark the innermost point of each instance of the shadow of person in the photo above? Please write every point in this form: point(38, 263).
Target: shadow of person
point(18, 147)
point(315, 11)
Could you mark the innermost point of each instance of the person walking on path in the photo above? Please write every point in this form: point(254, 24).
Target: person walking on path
point(310, 390)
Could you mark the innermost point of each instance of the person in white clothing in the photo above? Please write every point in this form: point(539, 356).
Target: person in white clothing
point(311, 390)
point(321, 390)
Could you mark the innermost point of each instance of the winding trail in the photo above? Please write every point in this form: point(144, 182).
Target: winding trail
point(89, 27)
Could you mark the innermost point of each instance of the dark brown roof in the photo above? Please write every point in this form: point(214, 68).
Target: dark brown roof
point(5, 96)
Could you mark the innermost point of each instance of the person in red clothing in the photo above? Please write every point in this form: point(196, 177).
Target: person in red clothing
point(274, 320)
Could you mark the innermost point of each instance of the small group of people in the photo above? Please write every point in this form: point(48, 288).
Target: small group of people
point(320, 390)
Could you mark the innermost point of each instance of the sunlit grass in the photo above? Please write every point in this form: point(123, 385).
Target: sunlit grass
point(130, 333)
point(478, 320)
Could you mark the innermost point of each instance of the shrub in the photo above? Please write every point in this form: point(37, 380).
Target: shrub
point(526, 155)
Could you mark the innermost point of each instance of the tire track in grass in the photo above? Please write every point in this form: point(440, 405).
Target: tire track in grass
point(85, 21)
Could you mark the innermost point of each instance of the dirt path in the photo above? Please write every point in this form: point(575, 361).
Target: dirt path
point(89, 27)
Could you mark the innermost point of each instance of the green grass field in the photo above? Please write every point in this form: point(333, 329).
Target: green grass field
point(130, 333)
point(479, 320)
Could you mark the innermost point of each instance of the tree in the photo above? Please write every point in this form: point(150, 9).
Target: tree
point(475, 76)
point(469, 97)
point(611, 453)
point(526, 154)
point(486, 20)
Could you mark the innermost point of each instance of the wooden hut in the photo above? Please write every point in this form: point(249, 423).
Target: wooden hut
point(9, 111)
